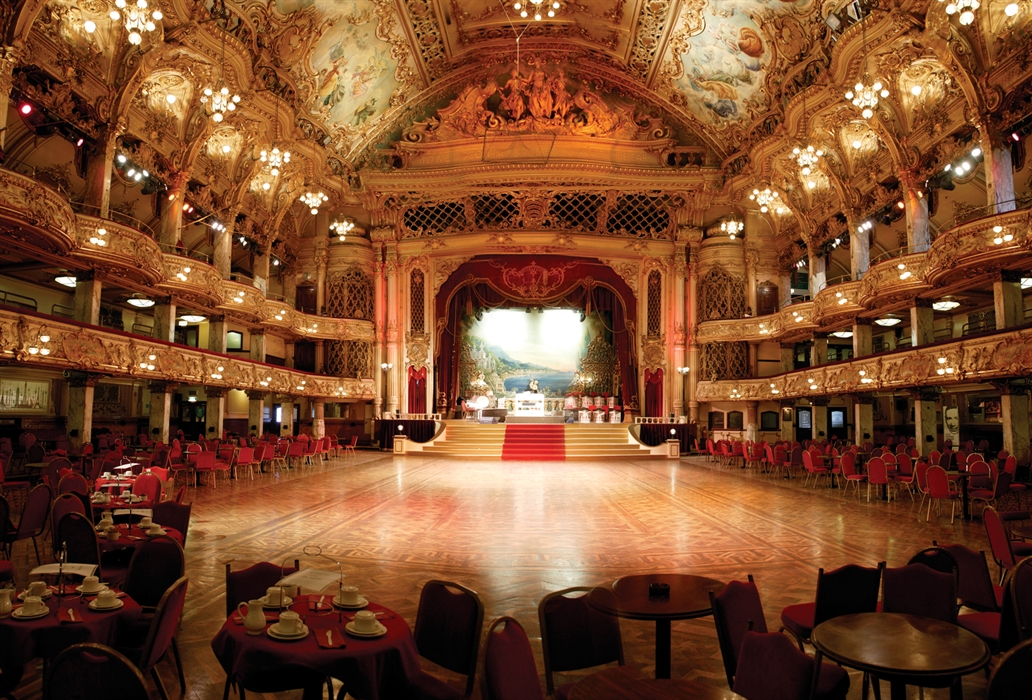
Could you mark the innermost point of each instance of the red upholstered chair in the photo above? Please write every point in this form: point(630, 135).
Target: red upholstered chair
point(990, 497)
point(1019, 593)
point(349, 449)
point(449, 621)
point(814, 468)
point(849, 472)
point(73, 483)
point(173, 514)
point(771, 668)
point(160, 635)
point(33, 520)
point(574, 636)
point(93, 672)
point(296, 451)
point(845, 591)
point(1013, 675)
point(916, 589)
point(250, 583)
point(1005, 551)
point(5, 461)
point(905, 473)
point(878, 475)
point(509, 669)
point(975, 587)
point(736, 611)
point(62, 506)
point(939, 489)
point(781, 461)
point(205, 464)
point(1010, 466)
point(148, 486)
point(76, 532)
point(796, 460)
point(244, 458)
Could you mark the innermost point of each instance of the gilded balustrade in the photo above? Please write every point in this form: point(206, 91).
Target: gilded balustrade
point(41, 341)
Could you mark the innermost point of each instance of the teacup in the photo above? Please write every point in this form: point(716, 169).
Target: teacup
point(112, 533)
point(274, 595)
point(106, 475)
point(90, 584)
point(289, 622)
point(107, 598)
point(33, 605)
point(348, 595)
point(291, 591)
point(154, 529)
point(365, 621)
point(126, 493)
point(36, 588)
point(145, 522)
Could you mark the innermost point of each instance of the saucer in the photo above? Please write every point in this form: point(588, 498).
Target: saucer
point(350, 627)
point(275, 633)
point(287, 600)
point(93, 605)
point(362, 602)
point(46, 594)
point(100, 587)
point(22, 616)
point(156, 534)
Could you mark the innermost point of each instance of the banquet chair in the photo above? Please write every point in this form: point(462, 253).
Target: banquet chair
point(770, 667)
point(1005, 551)
point(575, 636)
point(916, 589)
point(148, 486)
point(847, 590)
point(310, 447)
point(271, 457)
point(905, 473)
point(296, 451)
point(244, 458)
point(35, 453)
point(73, 483)
point(52, 472)
point(62, 505)
point(449, 621)
point(1013, 675)
point(160, 635)
point(246, 584)
point(33, 520)
point(1010, 466)
point(172, 514)
point(738, 610)
point(796, 460)
point(878, 475)
point(509, 669)
point(224, 463)
point(334, 446)
point(258, 458)
point(349, 449)
point(975, 587)
point(991, 497)
point(93, 672)
point(205, 464)
point(939, 489)
point(76, 532)
point(5, 461)
point(1019, 592)
point(814, 470)
point(849, 472)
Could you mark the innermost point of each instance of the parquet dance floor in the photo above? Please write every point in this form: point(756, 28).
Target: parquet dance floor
point(514, 531)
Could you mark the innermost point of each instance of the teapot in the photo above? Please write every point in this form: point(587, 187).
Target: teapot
point(254, 619)
point(6, 607)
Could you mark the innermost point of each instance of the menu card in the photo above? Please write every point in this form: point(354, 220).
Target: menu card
point(71, 569)
point(310, 579)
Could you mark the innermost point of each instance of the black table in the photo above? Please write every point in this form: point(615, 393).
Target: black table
point(414, 430)
point(653, 434)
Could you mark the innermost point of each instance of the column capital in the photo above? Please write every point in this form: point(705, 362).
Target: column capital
point(858, 321)
point(216, 318)
point(922, 303)
point(820, 336)
point(1010, 275)
point(1008, 387)
point(255, 394)
point(78, 379)
point(926, 393)
point(215, 392)
point(159, 387)
point(820, 401)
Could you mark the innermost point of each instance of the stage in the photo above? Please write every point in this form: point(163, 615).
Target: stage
point(534, 419)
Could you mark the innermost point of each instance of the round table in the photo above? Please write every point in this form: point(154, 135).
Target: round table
point(903, 648)
point(129, 537)
point(688, 599)
point(623, 683)
point(372, 669)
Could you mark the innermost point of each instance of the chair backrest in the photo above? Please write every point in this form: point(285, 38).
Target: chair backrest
point(974, 583)
point(889, 458)
point(93, 672)
point(173, 514)
point(149, 486)
point(906, 467)
point(158, 472)
point(34, 515)
point(797, 456)
point(252, 582)
point(999, 541)
point(901, 448)
point(848, 462)
point(157, 563)
point(73, 483)
point(808, 461)
point(5, 520)
point(449, 621)
point(180, 494)
point(770, 667)
point(877, 472)
point(259, 452)
point(1020, 589)
point(297, 449)
point(75, 531)
point(921, 474)
point(979, 476)
point(1013, 675)
point(938, 483)
point(205, 460)
point(62, 506)
point(876, 452)
point(509, 669)
point(1010, 466)
point(916, 589)
point(163, 626)
point(938, 558)
point(736, 610)
point(848, 590)
point(35, 453)
point(574, 635)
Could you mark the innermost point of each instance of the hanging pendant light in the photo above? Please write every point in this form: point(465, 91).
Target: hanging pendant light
point(138, 21)
point(865, 94)
point(313, 200)
point(220, 100)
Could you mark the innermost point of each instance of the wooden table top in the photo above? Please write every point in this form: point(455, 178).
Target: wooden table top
point(689, 597)
point(906, 645)
point(624, 683)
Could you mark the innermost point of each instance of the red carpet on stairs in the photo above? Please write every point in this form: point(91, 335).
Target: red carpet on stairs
point(540, 441)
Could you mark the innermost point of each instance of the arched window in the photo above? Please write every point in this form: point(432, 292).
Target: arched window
point(350, 295)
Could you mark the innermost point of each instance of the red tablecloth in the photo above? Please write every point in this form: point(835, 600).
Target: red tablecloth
point(117, 503)
point(23, 640)
point(130, 536)
point(116, 484)
point(371, 669)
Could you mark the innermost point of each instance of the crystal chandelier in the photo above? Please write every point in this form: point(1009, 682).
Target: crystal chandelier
point(732, 228)
point(865, 97)
point(768, 198)
point(535, 8)
point(341, 228)
point(219, 102)
point(807, 159)
point(313, 200)
point(272, 161)
point(966, 8)
point(138, 20)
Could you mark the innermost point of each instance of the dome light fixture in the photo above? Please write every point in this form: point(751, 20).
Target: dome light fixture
point(888, 321)
point(140, 301)
point(66, 280)
point(192, 318)
point(841, 334)
point(945, 304)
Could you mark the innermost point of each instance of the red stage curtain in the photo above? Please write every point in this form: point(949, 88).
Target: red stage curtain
point(417, 390)
point(654, 393)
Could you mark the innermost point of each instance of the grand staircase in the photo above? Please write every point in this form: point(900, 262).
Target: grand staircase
point(579, 441)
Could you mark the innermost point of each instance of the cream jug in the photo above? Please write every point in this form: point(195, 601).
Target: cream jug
point(254, 620)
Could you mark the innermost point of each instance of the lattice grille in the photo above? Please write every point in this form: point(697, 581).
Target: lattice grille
point(445, 217)
point(639, 215)
point(350, 296)
point(350, 359)
point(655, 301)
point(725, 361)
point(496, 211)
point(575, 211)
point(721, 295)
point(417, 295)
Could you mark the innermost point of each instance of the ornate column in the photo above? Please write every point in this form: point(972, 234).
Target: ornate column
point(260, 268)
point(752, 427)
point(9, 57)
point(752, 259)
point(222, 256)
point(170, 223)
point(922, 322)
point(863, 343)
point(787, 357)
point(863, 418)
point(320, 357)
point(287, 415)
point(754, 360)
point(1014, 412)
point(787, 426)
point(289, 273)
point(820, 418)
point(80, 407)
point(88, 288)
point(392, 336)
point(160, 409)
point(818, 271)
point(288, 350)
point(217, 333)
point(322, 259)
point(256, 410)
point(214, 411)
point(1007, 301)
point(99, 168)
point(165, 319)
point(257, 350)
point(926, 429)
point(677, 318)
point(379, 319)
point(999, 168)
point(859, 247)
point(916, 206)
point(694, 237)
point(319, 419)
point(819, 349)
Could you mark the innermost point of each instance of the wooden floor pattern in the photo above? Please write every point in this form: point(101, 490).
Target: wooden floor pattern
point(515, 531)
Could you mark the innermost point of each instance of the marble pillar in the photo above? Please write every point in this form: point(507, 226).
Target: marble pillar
point(1007, 300)
point(170, 223)
point(1014, 413)
point(319, 419)
point(922, 323)
point(819, 350)
point(288, 361)
point(999, 169)
point(916, 206)
point(787, 426)
point(287, 416)
point(255, 411)
point(160, 410)
point(217, 333)
point(863, 343)
point(320, 357)
point(863, 419)
point(787, 357)
point(818, 273)
point(859, 250)
point(165, 320)
point(754, 360)
point(214, 412)
point(88, 289)
point(752, 422)
point(99, 168)
point(80, 407)
point(925, 425)
point(9, 58)
point(257, 349)
point(820, 419)
point(223, 251)
point(392, 335)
